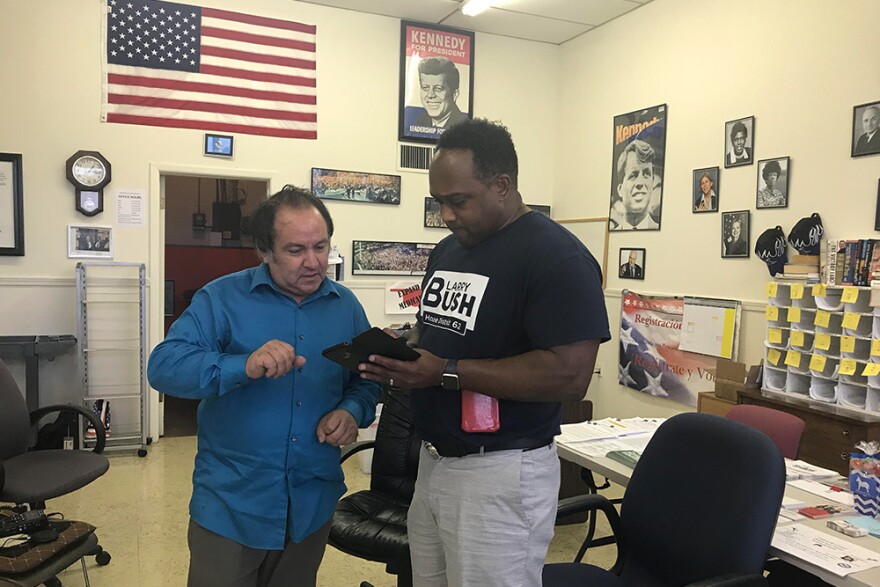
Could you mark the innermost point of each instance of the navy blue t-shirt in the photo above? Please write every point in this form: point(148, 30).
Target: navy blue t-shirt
point(532, 285)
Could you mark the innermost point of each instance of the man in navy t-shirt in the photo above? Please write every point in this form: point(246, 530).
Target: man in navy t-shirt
point(512, 308)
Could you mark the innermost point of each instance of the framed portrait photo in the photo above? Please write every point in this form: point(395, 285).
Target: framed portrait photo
point(356, 186)
point(735, 234)
point(11, 205)
point(706, 189)
point(632, 263)
point(866, 124)
point(739, 142)
point(774, 176)
point(432, 214)
point(90, 242)
point(436, 80)
point(218, 146)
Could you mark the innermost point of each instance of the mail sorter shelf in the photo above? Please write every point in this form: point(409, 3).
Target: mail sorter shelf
point(111, 329)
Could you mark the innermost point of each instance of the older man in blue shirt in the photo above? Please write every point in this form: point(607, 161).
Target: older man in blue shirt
point(273, 410)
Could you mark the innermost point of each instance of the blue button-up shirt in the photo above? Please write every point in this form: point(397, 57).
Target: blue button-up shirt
point(260, 473)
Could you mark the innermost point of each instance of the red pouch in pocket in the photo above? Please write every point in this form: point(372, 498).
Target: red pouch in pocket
point(479, 413)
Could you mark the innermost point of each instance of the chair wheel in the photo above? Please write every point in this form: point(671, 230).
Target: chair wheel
point(103, 558)
point(142, 452)
point(53, 582)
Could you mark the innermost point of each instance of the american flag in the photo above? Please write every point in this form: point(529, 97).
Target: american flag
point(181, 66)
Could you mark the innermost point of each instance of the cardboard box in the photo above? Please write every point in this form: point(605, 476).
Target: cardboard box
point(730, 378)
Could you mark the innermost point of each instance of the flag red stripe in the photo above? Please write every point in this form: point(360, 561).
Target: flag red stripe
point(209, 31)
point(187, 86)
point(196, 106)
point(259, 76)
point(218, 126)
point(259, 20)
point(257, 57)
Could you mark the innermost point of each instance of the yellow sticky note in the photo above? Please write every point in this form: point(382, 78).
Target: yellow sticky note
point(875, 347)
point(850, 294)
point(797, 291)
point(819, 289)
point(794, 314)
point(817, 362)
point(847, 344)
point(822, 341)
point(771, 289)
point(823, 318)
point(792, 358)
point(847, 366)
point(772, 313)
point(774, 335)
point(851, 320)
point(871, 369)
point(796, 338)
point(773, 356)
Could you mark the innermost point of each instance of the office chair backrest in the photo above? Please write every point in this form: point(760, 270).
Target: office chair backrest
point(396, 453)
point(14, 418)
point(702, 502)
point(783, 428)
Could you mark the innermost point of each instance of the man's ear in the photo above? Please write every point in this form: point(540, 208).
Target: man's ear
point(455, 95)
point(502, 185)
point(265, 256)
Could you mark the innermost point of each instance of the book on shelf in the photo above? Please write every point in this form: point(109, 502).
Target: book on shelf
point(800, 269)
point(804, 260)
point(849, 262)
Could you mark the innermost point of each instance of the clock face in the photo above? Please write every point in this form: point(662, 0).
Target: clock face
point(89, 170)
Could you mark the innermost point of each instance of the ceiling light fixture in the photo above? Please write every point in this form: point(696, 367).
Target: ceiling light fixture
point(475, 7)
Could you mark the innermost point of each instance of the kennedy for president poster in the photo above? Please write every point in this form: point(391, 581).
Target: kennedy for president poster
point(436, 80)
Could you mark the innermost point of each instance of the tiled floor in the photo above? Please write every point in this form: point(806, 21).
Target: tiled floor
point(140, 509)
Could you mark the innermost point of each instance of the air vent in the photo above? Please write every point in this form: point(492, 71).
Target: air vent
point(415, 158)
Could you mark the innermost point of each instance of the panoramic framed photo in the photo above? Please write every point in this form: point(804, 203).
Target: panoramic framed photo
point(866, 129)
point(90, 242)
point(355, 186)
point(632, 263)
point(390, 258)
point(774, 176)
point(11, 205)
point(735, 234)
point(707, 189)
point(739, 142)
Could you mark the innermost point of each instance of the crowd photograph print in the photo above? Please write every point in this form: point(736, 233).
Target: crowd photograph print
point(706, 189)
point(637, 170)
point(735, 234)
point(436, 80)
point(739, 142)
point(865, 135)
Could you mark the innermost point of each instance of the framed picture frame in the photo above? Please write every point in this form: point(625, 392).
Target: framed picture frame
point(389, 258)
point(169, 297)
point(90, 242)
point(877, 212)
point(11, 205)
point(356, 186)
point(774, 178)
point(735, 234)
point(739, 142)
point(706, 189)
point(540, 208)
point(432, 214)
point(218, 146)
point(637, 164)
point(866, 129)
point(632, 263)
point(436, 80)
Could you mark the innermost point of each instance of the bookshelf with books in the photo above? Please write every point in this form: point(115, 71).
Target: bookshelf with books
point(849, 261)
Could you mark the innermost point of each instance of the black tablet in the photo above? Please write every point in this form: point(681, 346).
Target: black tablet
point(372, 342)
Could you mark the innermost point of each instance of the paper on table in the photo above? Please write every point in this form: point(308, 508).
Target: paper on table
point(645, 424)
point(823, 550)
point(827, 493)
point(601, 447)
point(582, 431)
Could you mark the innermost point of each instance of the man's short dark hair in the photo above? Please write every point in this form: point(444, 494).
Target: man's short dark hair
point(491, 146)
point(739, 126)
point(262, 224)
point(440, 65)
point(643, 151)
point(771, 167)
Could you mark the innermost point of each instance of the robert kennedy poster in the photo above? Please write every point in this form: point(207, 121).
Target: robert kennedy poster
point(436, 80)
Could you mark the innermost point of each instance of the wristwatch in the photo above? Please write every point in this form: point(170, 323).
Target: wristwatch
point(450, 376)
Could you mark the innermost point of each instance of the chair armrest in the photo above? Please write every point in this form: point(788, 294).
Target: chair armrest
point(101, 434)
point(732, 580)
point(355, 447)
point(592, 502)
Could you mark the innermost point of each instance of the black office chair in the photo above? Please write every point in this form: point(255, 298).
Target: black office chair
point(33, 476)
point(371, 524)
point(700, 509)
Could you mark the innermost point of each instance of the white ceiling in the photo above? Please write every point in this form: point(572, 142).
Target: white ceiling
point(548, 21)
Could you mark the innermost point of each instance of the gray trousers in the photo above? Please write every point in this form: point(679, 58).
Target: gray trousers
point(217, 561)
point(483, 520)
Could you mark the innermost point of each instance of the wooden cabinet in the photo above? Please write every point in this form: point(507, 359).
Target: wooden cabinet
point(709, 403)
point(830, 432)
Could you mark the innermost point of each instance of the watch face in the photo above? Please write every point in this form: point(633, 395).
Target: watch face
point(89, 171)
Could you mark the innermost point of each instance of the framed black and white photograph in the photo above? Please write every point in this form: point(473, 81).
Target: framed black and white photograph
point(390, 258)
point(735, 234)
point(90, 242)
point(356, 186)
point(11, 205)
point(432, 214)
point(632, 263)
point(436, 80)
point(866, 123)
point(545, 210)
point(706, 189)
point(774, 177)
point(739, 142)
point(218, 146)
point(639, 152)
